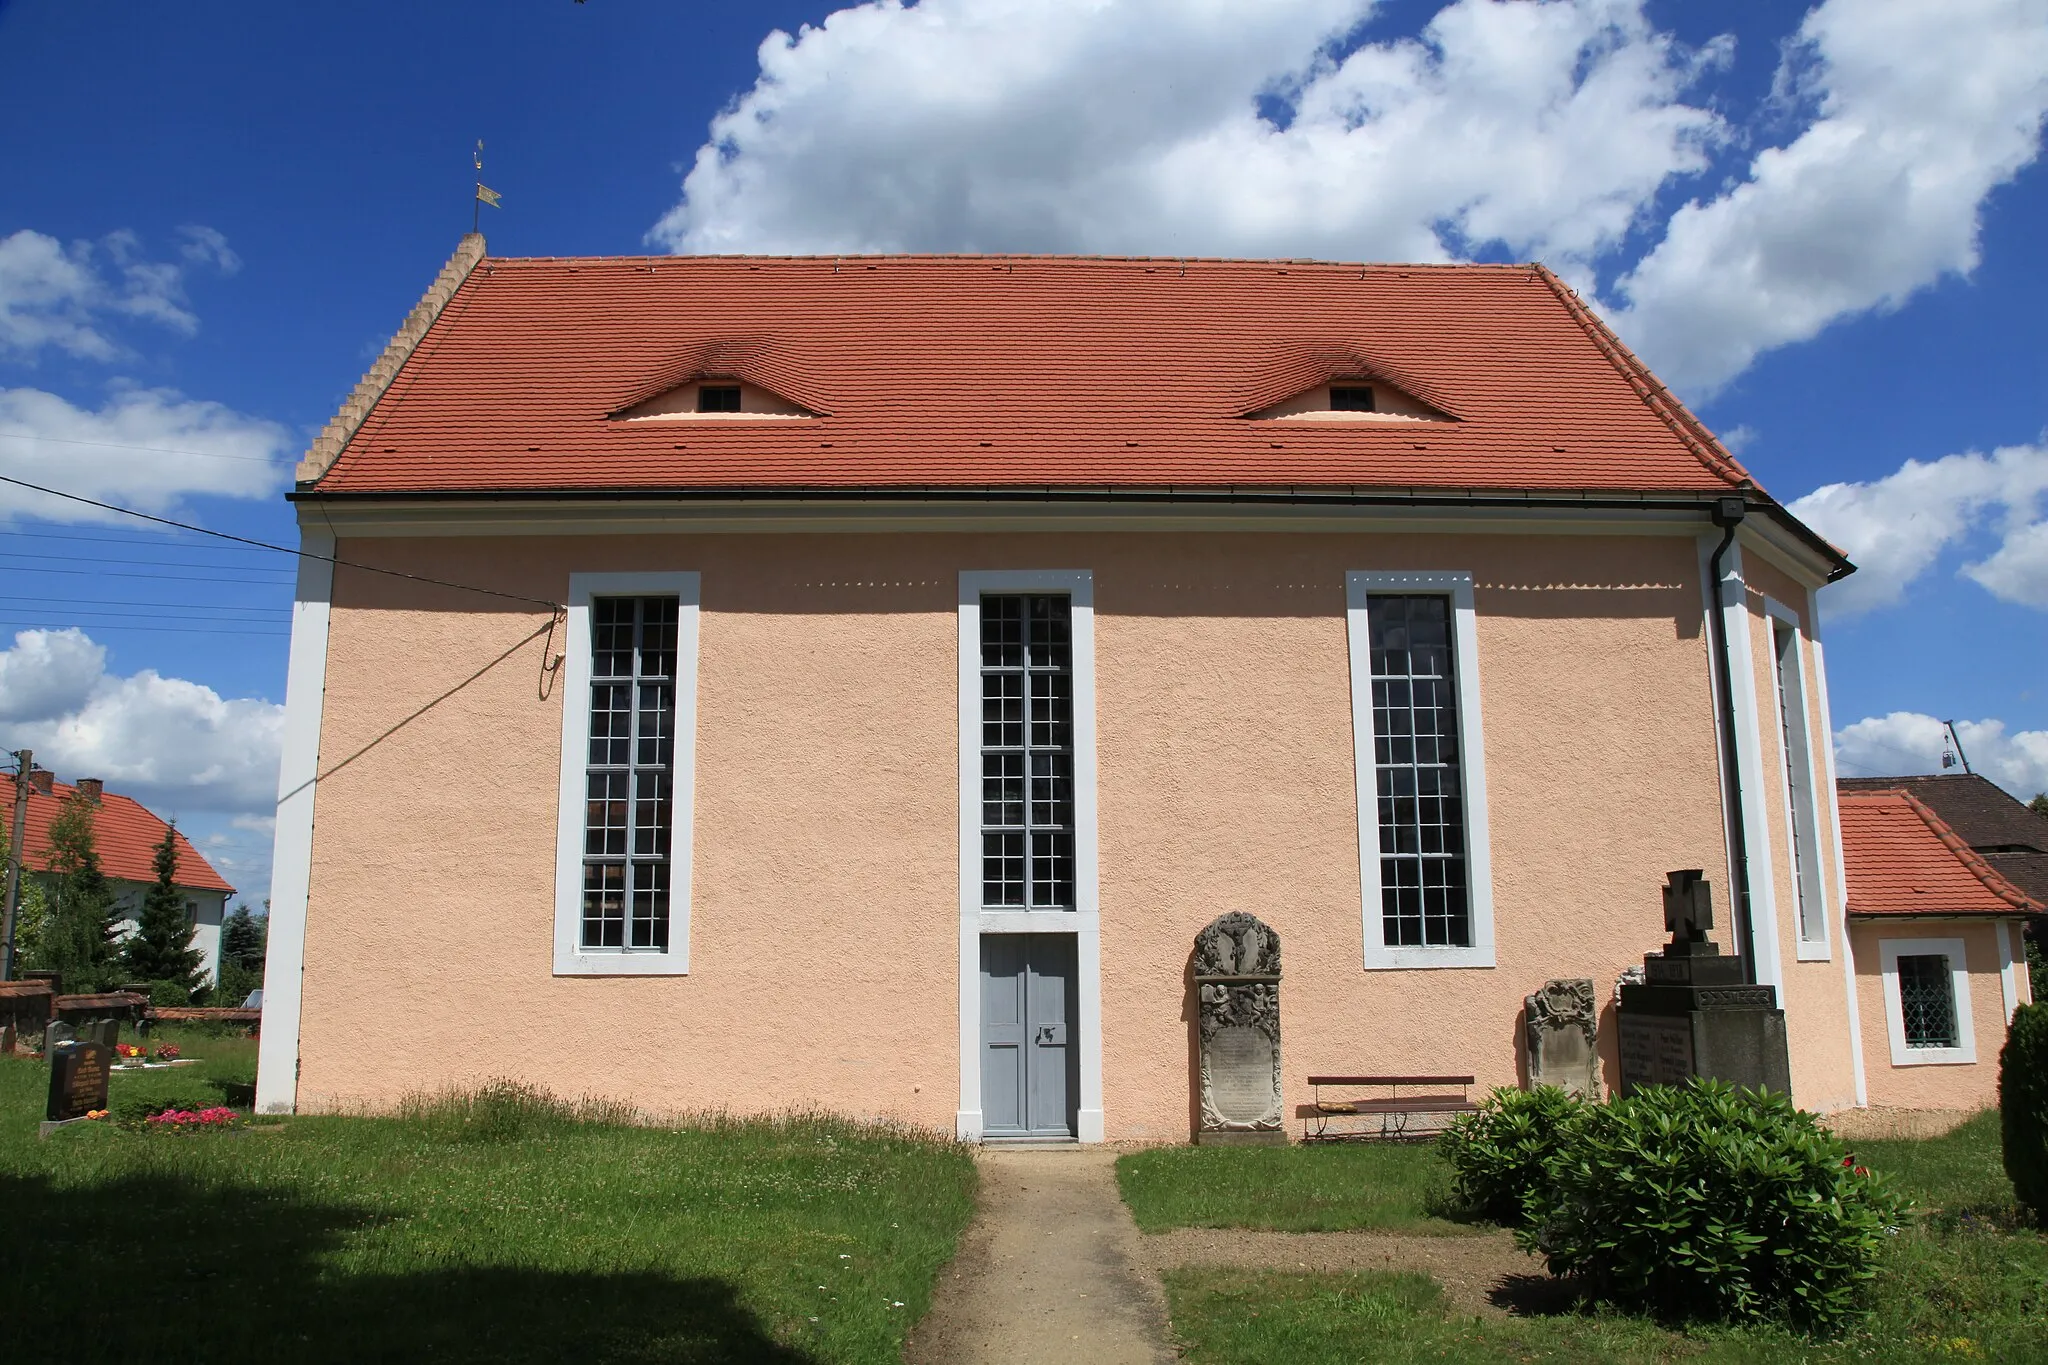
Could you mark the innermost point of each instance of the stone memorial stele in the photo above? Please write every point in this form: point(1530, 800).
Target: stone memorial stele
point(78, 1080)
point(1560, 1036)
point(1237, 993)
point(57, 1032)
point(1695, 1014)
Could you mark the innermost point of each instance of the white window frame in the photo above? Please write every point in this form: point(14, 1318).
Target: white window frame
point(1358, 585)
point(1084, 921)
point(1813, 885)
point(571, 958)
point(1890, 950)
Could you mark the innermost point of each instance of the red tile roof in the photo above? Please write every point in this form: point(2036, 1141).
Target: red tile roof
point(937, 372)
point(1902, 859)
point(124, 831)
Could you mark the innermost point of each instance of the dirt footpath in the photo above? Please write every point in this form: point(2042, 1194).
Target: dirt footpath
point(1052, 1271)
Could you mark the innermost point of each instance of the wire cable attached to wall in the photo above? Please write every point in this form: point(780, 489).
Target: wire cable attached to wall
point(280, 549)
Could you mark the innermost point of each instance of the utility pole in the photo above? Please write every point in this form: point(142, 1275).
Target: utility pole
point(24, 764)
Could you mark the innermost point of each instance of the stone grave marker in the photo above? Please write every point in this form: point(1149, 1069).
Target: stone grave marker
point(1237, 990)
point(1560, 1036)
point(57, 1032)
point(78, 1080)
point(1696, 1013)
point(106, 1032)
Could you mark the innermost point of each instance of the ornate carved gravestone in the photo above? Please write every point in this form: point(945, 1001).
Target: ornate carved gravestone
point(1560, 1034)
point(1237, 990)
point(1694, 1013)
point(78, 1080)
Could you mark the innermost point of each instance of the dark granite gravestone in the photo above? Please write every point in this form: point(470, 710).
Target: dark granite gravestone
point(1561, 1037)
point(1694, 1014)
point(1237, 990)
point(78, 1080)
point(105, 1032)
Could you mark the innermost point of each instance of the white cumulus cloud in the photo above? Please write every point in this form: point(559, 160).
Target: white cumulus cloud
point(1187, 127)
point(1923, 110)
point(172, 744)
point(59, 296)
point(1076, 125)
point(1896, 528)
point(1906, 743)
point(48, 673)
point(143, 448)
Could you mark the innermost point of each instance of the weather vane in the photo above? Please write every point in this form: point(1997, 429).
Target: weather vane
point(484, 193)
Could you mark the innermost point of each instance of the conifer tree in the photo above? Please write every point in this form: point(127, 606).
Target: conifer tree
point(78, 932)
point(161, 949)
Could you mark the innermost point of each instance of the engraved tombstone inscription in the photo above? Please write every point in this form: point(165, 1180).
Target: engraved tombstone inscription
point(1561, 1036)
point(1237, 989)
point(78, 1080)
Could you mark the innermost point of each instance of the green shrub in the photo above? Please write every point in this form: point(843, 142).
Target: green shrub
point(1711, 1202)
point(2023, 1106)
point(1497, 1156)
point(170, 994)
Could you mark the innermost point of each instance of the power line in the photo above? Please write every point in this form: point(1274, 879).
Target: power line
point(102, 559)
point(115, 602)
point(164, 542)
point(281, 549)
point(157, 630)
point(281, 582)
point(119, 445)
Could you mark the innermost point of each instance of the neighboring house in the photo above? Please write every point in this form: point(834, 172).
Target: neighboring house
point(126, 835)
point(1939, 963)
point(1994, 823)
point(946, 640)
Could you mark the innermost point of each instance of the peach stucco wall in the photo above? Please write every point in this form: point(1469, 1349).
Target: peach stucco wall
point(1972, 1085)
point(1815, 994)
point(824, 933)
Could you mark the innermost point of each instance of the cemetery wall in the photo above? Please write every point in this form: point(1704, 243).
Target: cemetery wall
point(824, 932)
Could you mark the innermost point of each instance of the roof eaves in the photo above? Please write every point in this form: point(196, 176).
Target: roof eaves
point(334, 438)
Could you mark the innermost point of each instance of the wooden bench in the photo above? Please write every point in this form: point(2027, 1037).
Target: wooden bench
point(1340, 1112)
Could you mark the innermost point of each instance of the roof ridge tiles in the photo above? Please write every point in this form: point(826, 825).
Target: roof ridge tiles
point(1705, 446)
point(341, 429)
point(1972, 861)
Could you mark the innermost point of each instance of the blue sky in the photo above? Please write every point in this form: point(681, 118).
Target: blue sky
point(214, 217)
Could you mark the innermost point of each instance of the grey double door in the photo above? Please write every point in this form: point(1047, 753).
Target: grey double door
point(1030, 1063)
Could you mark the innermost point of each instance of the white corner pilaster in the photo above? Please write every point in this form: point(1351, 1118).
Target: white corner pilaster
point(291, 874)
point(1729, 597)
point(1825, 750)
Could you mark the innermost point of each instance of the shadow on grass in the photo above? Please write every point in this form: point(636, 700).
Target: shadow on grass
point(155, 1268)
point(1535, 1296)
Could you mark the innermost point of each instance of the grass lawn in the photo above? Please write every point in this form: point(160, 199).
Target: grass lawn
point(504, 1230)
point(1306, 1187)
point(1965, 1283)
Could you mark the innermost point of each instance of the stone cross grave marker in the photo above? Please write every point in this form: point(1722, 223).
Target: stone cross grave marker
point(1560, 1036)
point(78, 1080)
point(1237, 989)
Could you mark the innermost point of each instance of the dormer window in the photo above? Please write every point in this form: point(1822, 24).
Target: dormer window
point(1351, 398)
point(726, 398)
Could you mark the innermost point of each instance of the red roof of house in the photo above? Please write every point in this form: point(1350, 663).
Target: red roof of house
point(1903, 859)
point(124, 832)
point(934, 372)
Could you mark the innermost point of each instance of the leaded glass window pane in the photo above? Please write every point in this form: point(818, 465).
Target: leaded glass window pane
point(629, 778)
point(1927, 999)
point(1027, 752)
point(1424, 900)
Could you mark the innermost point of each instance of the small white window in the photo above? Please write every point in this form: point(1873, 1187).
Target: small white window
point(629, 725)
point(1424, 865)
point(1800, 808)
point(1927, 1001)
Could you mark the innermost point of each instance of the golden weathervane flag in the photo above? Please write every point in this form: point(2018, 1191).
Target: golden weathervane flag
point(487, 195)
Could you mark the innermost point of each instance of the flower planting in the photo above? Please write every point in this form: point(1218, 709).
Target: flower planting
point(215, 1119)
point(168, 1052)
